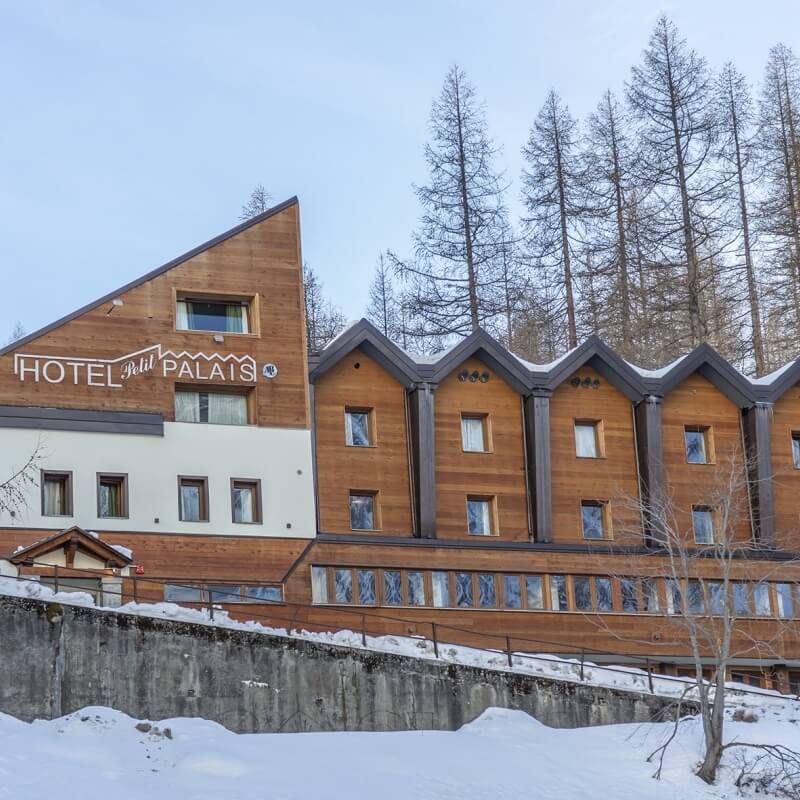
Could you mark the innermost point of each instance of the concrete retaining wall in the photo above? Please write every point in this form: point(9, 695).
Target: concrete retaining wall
point(56, 659)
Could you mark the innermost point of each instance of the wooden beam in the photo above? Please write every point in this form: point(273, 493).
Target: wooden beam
point(423, 453)
point(649, 447)
point(537, 430)
point(757, 426)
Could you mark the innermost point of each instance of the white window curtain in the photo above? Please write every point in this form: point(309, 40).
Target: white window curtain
point(236, 319)
point(227, 409)
point(585, 441)
point(182, 316)
point(190, 502)
point(53, 499)
point(319, 585)
point(243, 504)
point(472, 434)
point(187, 406)
point(441, 594)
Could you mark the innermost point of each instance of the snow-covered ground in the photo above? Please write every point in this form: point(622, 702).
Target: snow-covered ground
point(97, 754)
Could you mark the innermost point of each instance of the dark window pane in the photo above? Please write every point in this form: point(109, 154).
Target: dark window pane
point(343, 585)
point(694, 597)
point(674, 597)
point(742, 605)
point(512, 597)
point(695, 447)
point(263, 594)
point(703, 522)
point(487, 596)
point(366, 587)
point(358, 428)
point(716, 597)
point(416, 589)
point(534, 591)
point(362, 512)
point(630, 602)
point(209, 315)
point(177, 593)
point(464, 589)
point(605, 600)
point(796, 450)
point(225, 593)
point(592, 517)
point(583, 593)
point(392, 589)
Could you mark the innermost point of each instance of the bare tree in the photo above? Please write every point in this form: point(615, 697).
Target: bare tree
point(14, 489)
point(258, 202)
point(451, 282)
point(384, 309)
point(17, 332)
point(323, 320)
point(550, 193)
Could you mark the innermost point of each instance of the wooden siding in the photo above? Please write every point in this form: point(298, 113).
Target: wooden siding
point(786, 480)
point(263, 260)
point(697, 402)
point(384, 467)
point(612, 478)
point(499, 473)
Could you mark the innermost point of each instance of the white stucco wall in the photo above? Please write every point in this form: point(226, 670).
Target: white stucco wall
point(279, 457)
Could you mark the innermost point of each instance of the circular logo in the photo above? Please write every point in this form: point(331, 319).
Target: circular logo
point(269, 371)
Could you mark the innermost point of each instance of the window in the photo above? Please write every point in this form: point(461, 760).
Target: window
point(630, 599)
point(703, 523)
point(558, 593)
point(215, 408)
point(602, 589)
point(487, 594)
point(178, 593)
point(263, 594)
point(742, 604)
point(464, 589)
point(674, 597)
point(583, 593)
point(319, 585)
point(357, 427)
point(246, 500)
point(534, 591)
point(783, 594)
point(593, 519)
point(343, 585)
point(362, 511)
point(697, 440)
point(220, 316)
point(474, 437)
point(716, 597)
point(695, 601)
point(512, 597)
point(650, 600)
point(441, 589)
point(588, 440)
point(193, 499)
point(56, 494)
point(112, 496)
point(392, 588)
point(224, 593)
point(796, 449)
point(761, 597)
point(366, 587)
point(479, 516)
point(416, 589)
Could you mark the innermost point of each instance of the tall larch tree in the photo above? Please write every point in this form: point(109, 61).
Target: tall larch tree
point(452, 279)
point(670, 95)
point(550, 193)
point(258, 202)
point(324, 321)
point(384, 309)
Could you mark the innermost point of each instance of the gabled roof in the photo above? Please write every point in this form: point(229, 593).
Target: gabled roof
point(594, 352)
point(774, 386)
point(79, 538)
point(364, 336)
point(706, 361)
point(481, 345)
point(107, 298)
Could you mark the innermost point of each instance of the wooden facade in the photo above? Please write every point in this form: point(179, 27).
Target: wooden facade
point(534, 575)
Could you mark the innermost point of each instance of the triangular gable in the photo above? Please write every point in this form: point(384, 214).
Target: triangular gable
point(595, 353)
point(77, 538)
point(481, 345)
point(706, 361)
point(175, 262)
point(366, 337)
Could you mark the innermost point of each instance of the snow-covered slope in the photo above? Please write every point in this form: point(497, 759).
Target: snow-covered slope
point(97, 753)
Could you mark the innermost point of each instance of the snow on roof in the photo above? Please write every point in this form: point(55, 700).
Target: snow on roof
point(351, 324)
point(766, 380)
point(656, 373)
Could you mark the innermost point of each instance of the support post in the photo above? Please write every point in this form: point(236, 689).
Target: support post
point(537, 429)
point(651, 467)
point(423, 454)
point(757, 427)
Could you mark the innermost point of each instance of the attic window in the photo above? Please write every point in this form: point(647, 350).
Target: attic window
point(218, 315)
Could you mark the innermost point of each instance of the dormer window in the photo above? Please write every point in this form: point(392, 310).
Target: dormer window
point(212, 314)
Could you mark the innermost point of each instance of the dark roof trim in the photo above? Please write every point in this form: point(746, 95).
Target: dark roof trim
point(597, 354)
point(480, 345)
point(270, 212)
point(71, 419)
point(785, 381)
point(366, 337)
point(714, 368)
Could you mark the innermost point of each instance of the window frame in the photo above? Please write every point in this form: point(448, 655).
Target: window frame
point(376, 517)
point(795, 441)
point(492, 515)
point(605, 518)
point(258, 513)
point(63, 476)
point(701, 508)
point(709, 452)
point(250, 301)
point(483, 417)
point(248, 392)
point(371, 429)
point(122, 479)
point(205, 509)
point(599, 437)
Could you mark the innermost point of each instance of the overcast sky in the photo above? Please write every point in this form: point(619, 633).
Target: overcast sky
point(133, 131)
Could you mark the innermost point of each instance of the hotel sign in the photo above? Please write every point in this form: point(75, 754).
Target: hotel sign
point(114, 372)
